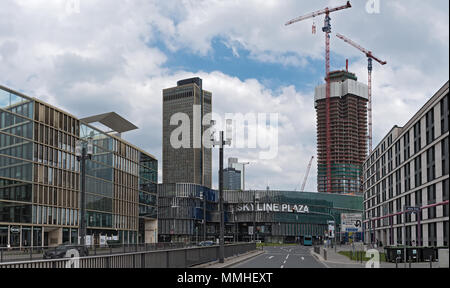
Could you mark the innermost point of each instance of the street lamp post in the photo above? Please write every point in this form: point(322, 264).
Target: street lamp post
point(221, 143)
point(83, 151)
point(334, 219)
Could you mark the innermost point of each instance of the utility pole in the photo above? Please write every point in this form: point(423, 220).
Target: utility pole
point(83, 151)
point(221, 143)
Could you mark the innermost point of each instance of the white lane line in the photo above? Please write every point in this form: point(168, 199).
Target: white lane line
point(282, 266)
point(303, 258)
point(287, 256)
point(284, 262)
point(271, 257)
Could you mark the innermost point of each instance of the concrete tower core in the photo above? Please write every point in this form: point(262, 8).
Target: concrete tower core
point(348, 124)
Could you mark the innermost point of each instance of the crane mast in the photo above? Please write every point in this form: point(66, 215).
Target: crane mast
point(369, 56)
point(307, 174)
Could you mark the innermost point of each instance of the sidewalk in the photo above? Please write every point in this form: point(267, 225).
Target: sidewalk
point(336, 260)
point(231, 260)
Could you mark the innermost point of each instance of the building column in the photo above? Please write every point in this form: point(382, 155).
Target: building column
point(440, 233)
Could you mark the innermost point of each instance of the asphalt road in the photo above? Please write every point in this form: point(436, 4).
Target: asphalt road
point(283, 257)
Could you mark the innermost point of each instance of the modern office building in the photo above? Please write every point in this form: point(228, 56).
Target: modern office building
point(410, 168)
point(187, 213)
point(279, 216)
point(231, 179)
point(191, 162)
point(40, 178)
point(348, 132)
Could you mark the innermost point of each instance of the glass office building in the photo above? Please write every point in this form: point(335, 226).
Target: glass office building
point(40, 179)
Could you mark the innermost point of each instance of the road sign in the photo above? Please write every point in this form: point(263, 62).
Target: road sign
point(412, 209)
point(15, 230)
point(351, 222)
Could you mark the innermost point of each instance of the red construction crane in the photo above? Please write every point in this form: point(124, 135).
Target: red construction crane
point(369, 57)
point(327, 30)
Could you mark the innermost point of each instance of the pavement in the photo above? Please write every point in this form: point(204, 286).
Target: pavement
point(282, 257)
point(336, 260)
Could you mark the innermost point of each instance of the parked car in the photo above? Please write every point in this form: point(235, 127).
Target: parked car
point(61, 251)
point(206, 243)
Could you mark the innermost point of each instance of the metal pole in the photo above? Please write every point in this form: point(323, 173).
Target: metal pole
point(254, 216)
point(221, 240)
point(419, 242)
point(83, 196)
point(404, 235)
point(204, 215)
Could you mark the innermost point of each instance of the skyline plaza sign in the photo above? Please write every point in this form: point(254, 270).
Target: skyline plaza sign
point(273, 207)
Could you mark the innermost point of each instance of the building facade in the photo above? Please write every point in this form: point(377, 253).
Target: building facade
point(231, 179)
point(278, 216)
point(348, 125)
point(40, 179)
point(191, 161)
point(410, 168)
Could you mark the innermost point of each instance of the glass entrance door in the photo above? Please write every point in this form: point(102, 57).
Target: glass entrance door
point(15, 239)
point(3, 236)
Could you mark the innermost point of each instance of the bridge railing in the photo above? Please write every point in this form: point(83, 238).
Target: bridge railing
point(169, 258)
point(16, 254)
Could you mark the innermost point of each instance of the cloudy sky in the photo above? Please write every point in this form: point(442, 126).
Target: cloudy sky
point(97, 56)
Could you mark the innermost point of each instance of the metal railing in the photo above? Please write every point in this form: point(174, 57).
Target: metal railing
point(168, 258)
point(16, 254)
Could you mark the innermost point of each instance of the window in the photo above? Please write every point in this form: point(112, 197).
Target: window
point(391, 186)
point(431, 193)
point(417, 139)
point(407, 174)
point(397, 154)
point(445, 160)
point(446, 233)
point(431, 167)
point(390, 160)
point(444, 114)
point(430, 126)
point(398, 183)
point(432, 239)
point(406, 151)
point(445, 192)
point(418, 171)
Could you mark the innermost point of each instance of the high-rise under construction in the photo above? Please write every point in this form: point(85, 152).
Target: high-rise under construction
point(348, 133)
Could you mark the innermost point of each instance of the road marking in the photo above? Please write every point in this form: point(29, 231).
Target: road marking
point(271, 257)
point(303, 258)
point(284, 262)
point(282, 266)
point(287, 256)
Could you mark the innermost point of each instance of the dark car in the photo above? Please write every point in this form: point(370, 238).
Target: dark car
point(206, 243)
point(61, 251)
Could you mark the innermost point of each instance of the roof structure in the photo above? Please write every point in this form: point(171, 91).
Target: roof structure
point(111, 120)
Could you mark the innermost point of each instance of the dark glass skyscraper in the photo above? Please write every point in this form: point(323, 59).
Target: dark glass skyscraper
point(191, 164)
